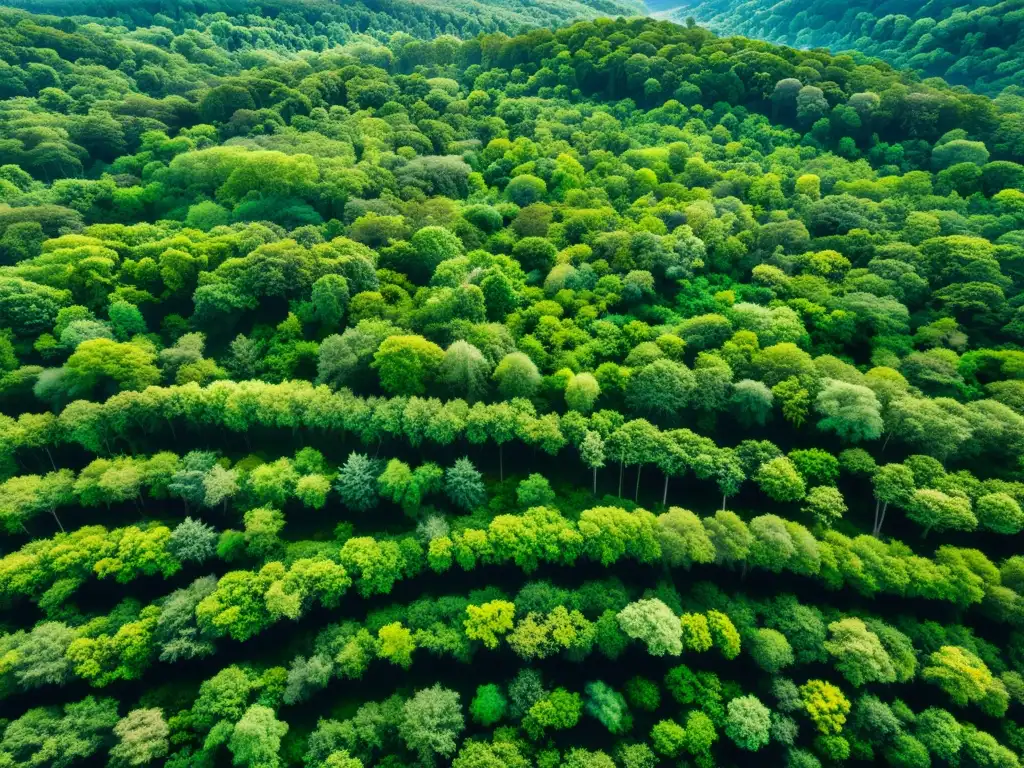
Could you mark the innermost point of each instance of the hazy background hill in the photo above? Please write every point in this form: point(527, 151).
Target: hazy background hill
point(974, 44)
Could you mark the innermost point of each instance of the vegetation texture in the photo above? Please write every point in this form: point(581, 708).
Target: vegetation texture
point(977, 44)
point(614, 395)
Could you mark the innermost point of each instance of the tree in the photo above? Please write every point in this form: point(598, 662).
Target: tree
point(817, 467)
point(47, 736)
point(396, 644)
point(357, 482)
point(256, 738)
point(660, 389)
point(431, 722)
point(581, 392)
point(517, 376)
point(342, 759)
point(193, 540)
point(125, 320)
point(143, 735)
point(464, 485)
point(42, 659)
point(558, 710)
point(858, 653)
point(780, 480)
point(696, 632)
point(748, 723)
point(826, 705)
point(668, 738)
point(730, 537)
point(825, 505)
point(489, 622)
point(608, 707)
point(488, 706)
point(329, 298)
point(465, 371)
point(305, 676)
point(525, 190)
point(966, 679)
point(934, 510)
point(770, 649)
point(535, 491)
point(752, 402)
point(893, 484)
point(940, 732)
point(700, 736)
point(850, 410)
point(1000, 512)
point(653, 623)
point(683, 540)
point(592, 454)
point(114, 365)
point(407, 365)
point(220, 485)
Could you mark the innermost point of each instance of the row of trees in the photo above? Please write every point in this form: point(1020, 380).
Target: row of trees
point(244, 603)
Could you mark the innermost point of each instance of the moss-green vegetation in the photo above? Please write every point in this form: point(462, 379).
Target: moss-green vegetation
point(618, 395)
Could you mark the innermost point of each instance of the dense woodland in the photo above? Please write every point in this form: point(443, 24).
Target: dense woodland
point(967, 42)
point(318, 24)
point(617, 395)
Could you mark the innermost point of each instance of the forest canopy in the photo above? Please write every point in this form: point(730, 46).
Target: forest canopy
point(374, 392)
point(976, 44)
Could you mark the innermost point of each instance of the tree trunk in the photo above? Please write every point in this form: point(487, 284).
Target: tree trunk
point(621, 462)
point(50, 457)
point(724, 497)
point(878, 506)
point(881, 520)
point(887, 438)
point(636, 494)
point(595, 481)
point(59, 524)
point(664, 493)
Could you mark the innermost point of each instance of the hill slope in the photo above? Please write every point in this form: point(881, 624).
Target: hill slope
point(976, 44)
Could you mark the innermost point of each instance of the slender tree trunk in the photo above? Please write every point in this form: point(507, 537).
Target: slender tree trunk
point(887, 439)
point(22, 524)
point(50, 457)
point(621, 462)
point(59, 524)
point(636, 493)
point(724, 497)
point(878, 507)
point(881, 520)
point(664, 493)
point(595, 481)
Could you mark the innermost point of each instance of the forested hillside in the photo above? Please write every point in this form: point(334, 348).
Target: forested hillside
point(317, 24)
point(618, 395)
point(967, 42)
